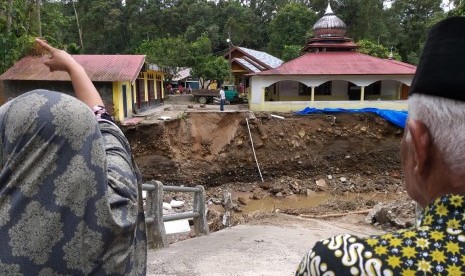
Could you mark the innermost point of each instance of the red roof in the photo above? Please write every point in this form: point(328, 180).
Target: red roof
point(98, 68)
point(341, 63)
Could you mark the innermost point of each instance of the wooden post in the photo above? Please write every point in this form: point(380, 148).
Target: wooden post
point(159, 234)
point(200, 222)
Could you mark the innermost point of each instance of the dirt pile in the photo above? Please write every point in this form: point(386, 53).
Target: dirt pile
point(214, 148)
point(342, 155)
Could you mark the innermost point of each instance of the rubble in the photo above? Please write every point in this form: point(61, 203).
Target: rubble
point(176, 203)
point(389, 214)
point(351, 158)
point(321, 183)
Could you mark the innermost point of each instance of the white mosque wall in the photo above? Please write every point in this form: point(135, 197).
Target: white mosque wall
point(389, 87)
point(339, 88)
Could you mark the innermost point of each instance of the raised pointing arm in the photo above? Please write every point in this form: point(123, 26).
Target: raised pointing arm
point(60, 60)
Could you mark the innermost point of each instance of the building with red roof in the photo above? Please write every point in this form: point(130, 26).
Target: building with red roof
point(126, 83)
point(331, 74)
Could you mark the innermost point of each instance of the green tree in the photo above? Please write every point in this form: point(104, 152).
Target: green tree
point(8, 15)
point(200, 17)
point(266, 9)
point(211, 68)
point(176, 52)
point(19, 26)
point(290, 27)
point(171, 51)
point(264, 12)
point(376, 50)
point(319, 6)
point(239, 23)
point(173, 20)
point(56, 24)
point(138, 23)
point(410, 22)
point(103, 28)
point(291, 52)
point(204, 64)
point(199, 49)
point(275, 26)
point(364, 19)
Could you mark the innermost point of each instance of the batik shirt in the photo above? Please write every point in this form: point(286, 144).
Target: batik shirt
point(435, 247)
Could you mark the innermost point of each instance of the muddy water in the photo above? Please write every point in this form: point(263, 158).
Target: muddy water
point(294, 202)
point(298, 202)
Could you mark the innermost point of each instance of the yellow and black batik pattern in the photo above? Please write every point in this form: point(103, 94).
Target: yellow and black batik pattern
point(435, 247)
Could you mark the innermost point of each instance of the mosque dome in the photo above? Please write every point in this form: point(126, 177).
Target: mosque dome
point(329, 25)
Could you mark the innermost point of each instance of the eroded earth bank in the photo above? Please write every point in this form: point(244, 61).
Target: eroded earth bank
point(317, 165)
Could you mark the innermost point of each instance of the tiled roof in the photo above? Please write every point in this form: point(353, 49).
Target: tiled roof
point(269, 60)
point(247, 65)
point(341, 63)
point(98, 68)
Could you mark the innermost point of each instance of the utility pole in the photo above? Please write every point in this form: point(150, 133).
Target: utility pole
point(228, 40)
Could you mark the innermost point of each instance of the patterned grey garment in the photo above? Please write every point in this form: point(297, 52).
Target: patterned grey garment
point(70, 193)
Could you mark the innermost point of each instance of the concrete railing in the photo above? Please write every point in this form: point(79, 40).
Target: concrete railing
point(155, 219)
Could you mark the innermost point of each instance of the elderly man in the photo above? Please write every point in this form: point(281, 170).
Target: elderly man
point(433, 157)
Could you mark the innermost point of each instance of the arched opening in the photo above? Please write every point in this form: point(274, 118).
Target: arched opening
point(378, 90)
point(287, 90)
point(336, 90)
point(324, 91)
point(298, 91)
point(354, 92)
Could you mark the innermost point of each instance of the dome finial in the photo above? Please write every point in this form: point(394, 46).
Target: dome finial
point(329, 34)
point(328, 9)
point(329, 25)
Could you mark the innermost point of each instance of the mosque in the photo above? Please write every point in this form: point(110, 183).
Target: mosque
point(331, 74)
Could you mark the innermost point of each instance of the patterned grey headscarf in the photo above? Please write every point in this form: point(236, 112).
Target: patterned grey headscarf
point(70, 198)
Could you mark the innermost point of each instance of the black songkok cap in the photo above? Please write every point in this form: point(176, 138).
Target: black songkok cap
point(441, 70)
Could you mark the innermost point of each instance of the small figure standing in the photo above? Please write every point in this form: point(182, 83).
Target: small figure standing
point(222, 98)
point(189, 89)
point(180, 88)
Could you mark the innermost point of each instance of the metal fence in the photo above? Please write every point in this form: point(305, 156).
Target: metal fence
point(155, 219)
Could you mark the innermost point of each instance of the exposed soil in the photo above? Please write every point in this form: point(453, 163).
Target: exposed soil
point(352, 158)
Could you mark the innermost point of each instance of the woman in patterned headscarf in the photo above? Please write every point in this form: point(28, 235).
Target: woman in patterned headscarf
point(70, 197)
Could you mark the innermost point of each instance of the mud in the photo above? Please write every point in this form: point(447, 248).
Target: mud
point(351, 160)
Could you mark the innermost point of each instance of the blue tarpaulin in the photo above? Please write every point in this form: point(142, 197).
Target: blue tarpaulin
point(396, 117)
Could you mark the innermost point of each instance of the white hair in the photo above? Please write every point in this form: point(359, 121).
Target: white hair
point(445, 119)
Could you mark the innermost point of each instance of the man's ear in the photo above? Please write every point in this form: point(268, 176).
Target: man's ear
point(422, 143)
